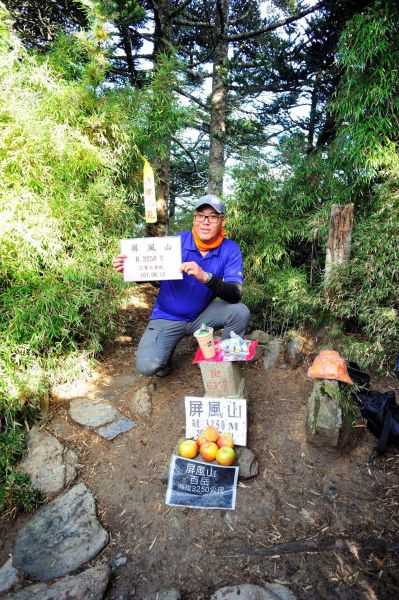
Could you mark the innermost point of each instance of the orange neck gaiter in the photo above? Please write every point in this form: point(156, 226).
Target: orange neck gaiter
point(206, 246)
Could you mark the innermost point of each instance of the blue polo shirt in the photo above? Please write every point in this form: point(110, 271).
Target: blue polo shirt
point(184, 299)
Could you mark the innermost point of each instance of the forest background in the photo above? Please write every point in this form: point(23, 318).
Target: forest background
point(297, 103)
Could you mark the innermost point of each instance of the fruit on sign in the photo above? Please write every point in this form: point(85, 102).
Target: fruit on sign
point(188, 449)
point(211, 433)
point(225, 456)
point(208, 451)
point(201, 439)
point(225, 439)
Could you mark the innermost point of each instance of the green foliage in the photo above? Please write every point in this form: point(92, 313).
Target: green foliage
point(16, 491)
point(342, 394)
point(368, 286)
point(161, 115)
point(367, 103)
point(18, 495)
point(266, 222)
point(281, 208)
point(68, 193)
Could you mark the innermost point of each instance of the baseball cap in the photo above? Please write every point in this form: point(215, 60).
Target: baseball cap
point(213, 201)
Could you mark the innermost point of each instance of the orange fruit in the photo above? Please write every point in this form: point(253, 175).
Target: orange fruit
point(201, 439)
point(188, 449)
point(208, 451)
point(211, 433)
point(225, 439)
point(225, 456)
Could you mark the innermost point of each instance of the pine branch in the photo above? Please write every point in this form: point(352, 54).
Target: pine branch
point(274, 26)
point(240, 19)
point(189, 154)
point(193, 24)
point(179, 9)
point(191, 97)
point(145, 36)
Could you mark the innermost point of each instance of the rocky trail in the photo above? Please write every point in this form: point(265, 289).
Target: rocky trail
point(314, 523)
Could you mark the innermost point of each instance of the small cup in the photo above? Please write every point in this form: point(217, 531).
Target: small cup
point(205, 341)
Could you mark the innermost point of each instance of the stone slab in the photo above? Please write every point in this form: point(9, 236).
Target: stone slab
point(92, 413)
point(89, 585)
point(49, 464)
point(9, 576)
point(73, 389)
point(61, 537)
point(120, 425)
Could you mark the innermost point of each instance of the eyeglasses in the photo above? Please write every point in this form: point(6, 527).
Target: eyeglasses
point(211, 218)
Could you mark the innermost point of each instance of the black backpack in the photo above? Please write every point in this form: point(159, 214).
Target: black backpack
point(382, 415)
point(378, 408)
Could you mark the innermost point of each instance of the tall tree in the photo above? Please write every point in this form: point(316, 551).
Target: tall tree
point(232, 27)
point(38, 21)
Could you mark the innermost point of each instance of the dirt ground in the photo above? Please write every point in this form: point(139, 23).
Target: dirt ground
point(301, 493)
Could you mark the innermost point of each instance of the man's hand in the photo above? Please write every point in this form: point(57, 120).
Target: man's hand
point(194, 270)
point(118, 262)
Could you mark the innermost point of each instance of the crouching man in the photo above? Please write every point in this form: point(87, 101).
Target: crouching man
point(209, 292)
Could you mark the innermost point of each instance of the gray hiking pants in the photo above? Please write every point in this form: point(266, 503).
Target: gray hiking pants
point(161, 336)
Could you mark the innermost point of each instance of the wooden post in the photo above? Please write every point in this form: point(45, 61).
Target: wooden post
point(339, 238)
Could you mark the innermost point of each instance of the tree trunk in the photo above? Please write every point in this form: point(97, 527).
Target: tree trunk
point(312, 115)
point(162, 170)
point(218, 102)
point(162, 44)
point(127, 46)
point(172, 205)
point(339, 238)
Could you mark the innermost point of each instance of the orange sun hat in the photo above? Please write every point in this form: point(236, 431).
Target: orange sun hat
point(329, 364)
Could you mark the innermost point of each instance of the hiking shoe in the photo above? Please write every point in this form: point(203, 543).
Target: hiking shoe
point(164, 372)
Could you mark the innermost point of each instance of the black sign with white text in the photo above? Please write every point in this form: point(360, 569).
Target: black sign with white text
point(197, 484)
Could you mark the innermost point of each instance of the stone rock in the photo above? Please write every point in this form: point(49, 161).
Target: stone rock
point(49, 464)
point(106, 420)
point(61, 537)
point(8, 576)
point(261, 336)
point(73, 389)
point(247, 591)
point(294, 354)
point(61, 428)
point(120, 562)
point(89, 585)
point(330, 491)
point(222, 380)
point(249, 466)
point(140, 404)
point(324, 420)
point(259, 351)
point(272, 353)
point(120, 425)
point(167, 594)
point(92, 413)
